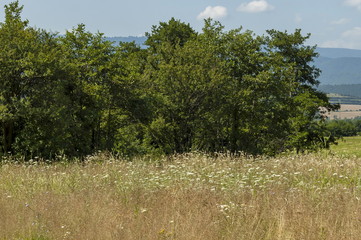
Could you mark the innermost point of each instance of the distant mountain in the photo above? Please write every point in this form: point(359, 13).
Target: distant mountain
point(338, 52)
point(339, 66)
point(138, 40)
point(343, 70)
point(353, 90)
point(341, 74)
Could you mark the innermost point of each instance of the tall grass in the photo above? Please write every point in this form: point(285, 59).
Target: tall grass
point(191, 196)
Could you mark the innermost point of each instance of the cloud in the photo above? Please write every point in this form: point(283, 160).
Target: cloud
point(255, 6)
point(348, 39)
point(298, 18)
point(353, 3)
point(340, 21)
point(354, 32)
point(339, 43)
point(216, 12)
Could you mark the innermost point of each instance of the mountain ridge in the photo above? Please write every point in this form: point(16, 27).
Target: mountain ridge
point(338, 52)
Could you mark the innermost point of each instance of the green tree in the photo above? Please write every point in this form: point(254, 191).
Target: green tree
point(212, 91)
point(183, 78)
point(28, 66)
point(89, 61)
point(130, 110)
point(306, 101)
point(173, 33)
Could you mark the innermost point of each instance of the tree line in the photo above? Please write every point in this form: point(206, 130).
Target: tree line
point(344, 127)
point(213, 91)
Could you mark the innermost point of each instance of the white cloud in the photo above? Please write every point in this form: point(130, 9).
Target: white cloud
point(339, 43)
point(340, 21)
point(255, 6)
point(348, 39)
point(352, 33)
point(216, 12)
point(298, 18)
point(354, 3)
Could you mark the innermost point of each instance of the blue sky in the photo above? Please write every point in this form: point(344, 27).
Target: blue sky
point(332, 23)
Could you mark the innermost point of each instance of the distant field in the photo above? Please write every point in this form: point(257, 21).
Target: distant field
point(350, 100)
point(350, 106)
point(348, 147)
point(347, 111)
point(344, 92)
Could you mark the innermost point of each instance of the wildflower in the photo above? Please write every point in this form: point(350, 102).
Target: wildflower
point(224, 207)
point(105, 176)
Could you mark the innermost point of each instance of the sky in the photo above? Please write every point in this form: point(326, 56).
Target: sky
point(332, 23)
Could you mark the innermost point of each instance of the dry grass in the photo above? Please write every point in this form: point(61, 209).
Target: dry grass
point(185, 197)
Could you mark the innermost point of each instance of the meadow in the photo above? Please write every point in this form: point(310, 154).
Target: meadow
point(348, 147)
point(190, 196)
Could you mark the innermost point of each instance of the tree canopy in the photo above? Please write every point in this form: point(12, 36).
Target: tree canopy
point(213, 91)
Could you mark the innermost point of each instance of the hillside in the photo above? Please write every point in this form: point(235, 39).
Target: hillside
point(339, 66)
point(138, 40)
point(341, 74)
point(339, 52)
point(343, 70)
point(344, 89)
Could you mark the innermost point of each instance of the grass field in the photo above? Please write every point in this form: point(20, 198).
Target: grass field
point(191, 196)
point(348, 147)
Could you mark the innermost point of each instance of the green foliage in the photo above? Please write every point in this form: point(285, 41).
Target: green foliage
point(173, 32)
point(211, 91)
point(29, 71)
point(344, 128)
